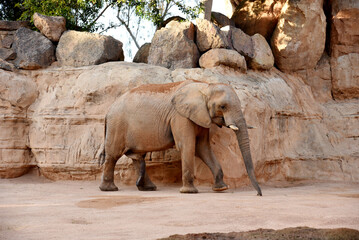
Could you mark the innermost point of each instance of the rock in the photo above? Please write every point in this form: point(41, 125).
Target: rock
point(6, 65)
point(319, 79)
point(344, 49)
point(345, 76)
point(299, 38)
point(225, 57)
point(255, 49)
point(51, 26)
point(17, 93)
point(7, 54)
point(344, 37)
point(242, 43)
point(262, 53)
point(339, 5)
point(13, 25)
point(209, 36)
point(83, 48)
point(221, 20)
point(6, 39)
point(142, 54)
point(33, 50)
point(173, 46)
point(258, 16)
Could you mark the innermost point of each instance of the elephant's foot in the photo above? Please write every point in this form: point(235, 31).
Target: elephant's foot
point(188, 189)
point(145, 184)
point(108, 186)
point(218, 187)
point(147, 188)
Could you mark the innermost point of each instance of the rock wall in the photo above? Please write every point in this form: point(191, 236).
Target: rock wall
point(53, 119)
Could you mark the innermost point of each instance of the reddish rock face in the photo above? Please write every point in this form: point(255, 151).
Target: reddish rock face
point(298, 40)
point(60, 128)
point(257, 16)
point(344, 49)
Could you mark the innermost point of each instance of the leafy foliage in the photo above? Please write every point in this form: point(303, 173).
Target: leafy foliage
point(8, 11)
point(157, 10)
point(80, 15)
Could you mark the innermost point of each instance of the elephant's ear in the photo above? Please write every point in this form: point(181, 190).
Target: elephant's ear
point(190, 102)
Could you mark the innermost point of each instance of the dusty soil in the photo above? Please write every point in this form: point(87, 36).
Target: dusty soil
point(32, 207)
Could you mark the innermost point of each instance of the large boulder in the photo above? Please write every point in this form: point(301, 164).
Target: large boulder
point(83, 48)
point(299, 38)
point(173, 46)
point(223, 57)
point(257, 16)
point(209, 36)
point(221, 20)
point(345, 76)
point(13, 25)
point(51, 26)
point(255, 49)
point(142, 54)
point(319, 79)
point(262, 53)
point(242, 42)
point(33, 50)
point(344, 48)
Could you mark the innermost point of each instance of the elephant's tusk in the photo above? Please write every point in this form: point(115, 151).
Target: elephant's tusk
point(251, 127)
point(233, 127)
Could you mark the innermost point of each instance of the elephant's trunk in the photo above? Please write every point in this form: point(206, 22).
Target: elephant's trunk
point(243, 141)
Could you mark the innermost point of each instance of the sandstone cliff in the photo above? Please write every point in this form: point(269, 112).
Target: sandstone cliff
point(53, 119)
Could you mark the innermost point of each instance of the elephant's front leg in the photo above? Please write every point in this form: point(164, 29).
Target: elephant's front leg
point(184, 135)
point(204, 152)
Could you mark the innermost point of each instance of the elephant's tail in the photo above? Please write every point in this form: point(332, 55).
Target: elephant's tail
point(101, 158)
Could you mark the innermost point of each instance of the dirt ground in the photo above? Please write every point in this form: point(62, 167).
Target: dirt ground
point(32, 207)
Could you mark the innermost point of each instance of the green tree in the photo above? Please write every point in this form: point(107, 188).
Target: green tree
point(8, 10)
point(81, 15)
point(131, 13)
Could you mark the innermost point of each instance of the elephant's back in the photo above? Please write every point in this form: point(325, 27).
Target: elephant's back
point(156, 88)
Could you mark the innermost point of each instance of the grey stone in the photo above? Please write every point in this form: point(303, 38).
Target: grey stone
point(7, 54)
point(33, 50)
point(13, 25)
point(209, 36)
point(6, 65)
point(142, 54)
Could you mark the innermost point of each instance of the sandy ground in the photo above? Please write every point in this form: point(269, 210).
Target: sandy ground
point(35, 208)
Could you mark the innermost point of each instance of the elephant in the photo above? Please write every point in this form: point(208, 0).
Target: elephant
point(155, 117)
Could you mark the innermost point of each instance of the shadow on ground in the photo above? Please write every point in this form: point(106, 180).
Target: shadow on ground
point(299, 233)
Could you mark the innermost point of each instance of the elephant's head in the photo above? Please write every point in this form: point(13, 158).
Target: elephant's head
point(206, 103)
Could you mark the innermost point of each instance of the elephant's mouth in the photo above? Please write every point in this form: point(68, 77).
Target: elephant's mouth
point(219, 121)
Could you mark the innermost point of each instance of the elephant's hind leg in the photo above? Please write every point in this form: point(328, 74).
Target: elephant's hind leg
point(143, 183)
point(107, 182)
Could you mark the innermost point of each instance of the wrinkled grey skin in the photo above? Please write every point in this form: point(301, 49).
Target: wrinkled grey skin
point(155, 117)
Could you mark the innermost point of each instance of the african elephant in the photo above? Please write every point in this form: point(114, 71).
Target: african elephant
point(156, 117)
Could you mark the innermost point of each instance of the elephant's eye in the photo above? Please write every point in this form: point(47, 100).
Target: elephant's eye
point(223, 107)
